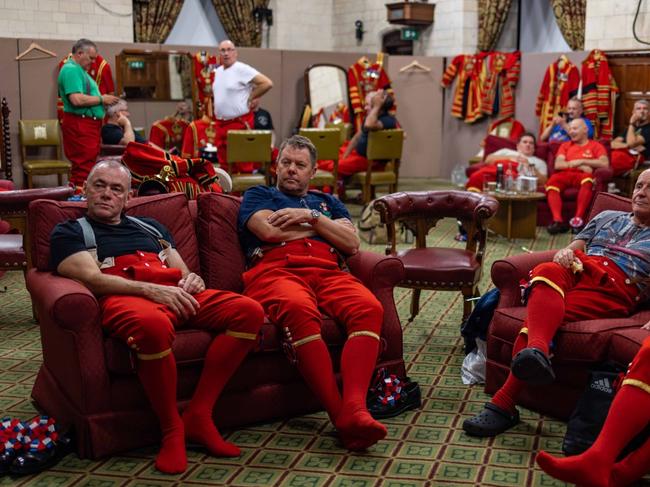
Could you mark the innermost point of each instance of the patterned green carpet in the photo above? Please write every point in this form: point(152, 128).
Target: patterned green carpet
point(424, 447)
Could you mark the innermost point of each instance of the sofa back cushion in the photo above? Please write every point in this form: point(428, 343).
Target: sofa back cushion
point(169, 209)
point(222, 259)
point(494, 143)
point(609, 201)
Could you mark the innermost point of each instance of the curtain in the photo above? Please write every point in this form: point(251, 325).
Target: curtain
point(492, 15)
point(155, 19)
point(570, 16)
point(237, 19)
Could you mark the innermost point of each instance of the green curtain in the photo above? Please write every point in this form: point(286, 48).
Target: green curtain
point(154, 19)
point(237, 19)
point(492, 15)
point(570, 16)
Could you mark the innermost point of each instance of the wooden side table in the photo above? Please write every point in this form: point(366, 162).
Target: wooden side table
point(517, 214)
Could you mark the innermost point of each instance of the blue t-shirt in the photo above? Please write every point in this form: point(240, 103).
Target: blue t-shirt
point(387, 121)
point(613, 234)
point(271, 198)
point(558, 134)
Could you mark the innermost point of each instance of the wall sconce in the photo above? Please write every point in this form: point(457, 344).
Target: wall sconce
point(358, 31)
point(261, 13)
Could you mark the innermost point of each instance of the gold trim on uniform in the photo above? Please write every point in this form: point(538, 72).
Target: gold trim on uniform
point(524, 330)
point(305, 340)
point(243, 336)
point(549, 282)
point(637, 383)
point(552, 188)
point(154, 356)
point(364, 334)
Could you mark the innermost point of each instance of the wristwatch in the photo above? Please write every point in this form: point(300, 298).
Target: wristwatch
point(315, 215)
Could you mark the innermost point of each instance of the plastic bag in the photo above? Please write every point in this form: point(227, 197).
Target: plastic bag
point(473, 369)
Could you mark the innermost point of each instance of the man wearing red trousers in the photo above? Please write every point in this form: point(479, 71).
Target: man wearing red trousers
point(146, 291)
point(575, 163)
point(628, 416)
point(293, 238)
point(601, 274)
point(83, 110)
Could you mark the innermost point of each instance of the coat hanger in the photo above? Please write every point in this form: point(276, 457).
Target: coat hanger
point(415, 66)
point(35, 47)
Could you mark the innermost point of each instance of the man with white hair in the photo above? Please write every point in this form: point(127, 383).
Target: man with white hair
point(118, 129)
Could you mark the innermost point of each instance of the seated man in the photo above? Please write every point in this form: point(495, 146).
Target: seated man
point(601, 274)
point(630, 149)
point(521, 162)
point(574, 166)
point(146, 291)
point(118, 130)
point(628, 416)
point(292, 238)
point(352, 158)
point(558, 131)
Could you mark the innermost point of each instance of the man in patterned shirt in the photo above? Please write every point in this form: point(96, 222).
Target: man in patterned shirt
point(603, 273)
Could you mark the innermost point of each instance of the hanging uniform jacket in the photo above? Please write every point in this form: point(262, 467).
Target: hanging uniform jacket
point(204, 65)
point(561, 83)
point(466, 103)
point(500, 75)
point(100, 71)
point(599, 91)
point(364, 77)
point(197, 135)
point(168, 132)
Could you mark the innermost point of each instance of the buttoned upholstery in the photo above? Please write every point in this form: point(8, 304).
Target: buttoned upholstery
point(38, 134)
point(435, 267)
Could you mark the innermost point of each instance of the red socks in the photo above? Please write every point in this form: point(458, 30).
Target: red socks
point(627, 416)
point(357, 428)
point(545, 315)
point(554, 200)
point(506, 397)
point(158, 377)
point(315, 365)
point(584, 198)
point(223, 358)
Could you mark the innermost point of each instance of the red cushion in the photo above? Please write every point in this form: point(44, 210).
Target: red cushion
point(169, 209)
point(626, 343)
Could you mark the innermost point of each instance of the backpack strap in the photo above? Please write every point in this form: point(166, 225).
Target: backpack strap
point(147, 227)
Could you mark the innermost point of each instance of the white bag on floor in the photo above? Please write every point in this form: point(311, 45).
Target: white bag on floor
point(473, 369)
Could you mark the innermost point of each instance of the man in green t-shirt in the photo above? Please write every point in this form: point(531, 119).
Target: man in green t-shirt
point(83, 110)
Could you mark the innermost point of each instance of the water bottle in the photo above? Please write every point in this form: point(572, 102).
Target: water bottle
point(509, 181)
point(499, 177)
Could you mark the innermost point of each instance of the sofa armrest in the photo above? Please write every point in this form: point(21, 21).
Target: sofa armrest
point(507, 274)
point(603, 175)
point(72, 338)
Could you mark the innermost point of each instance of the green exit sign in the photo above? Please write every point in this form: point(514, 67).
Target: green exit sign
point(410, 34)
point(136, 64)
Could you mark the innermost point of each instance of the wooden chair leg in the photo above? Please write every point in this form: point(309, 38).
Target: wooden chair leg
point(415, 304)
point(59, 178)
point(30, 182)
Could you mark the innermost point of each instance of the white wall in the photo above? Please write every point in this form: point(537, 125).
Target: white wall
point(609, 24)
point(67, 19)
point(197, 25)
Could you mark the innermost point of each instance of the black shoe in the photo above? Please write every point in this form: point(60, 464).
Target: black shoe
point(410, 398)
point(492, 421)
point(533, 367)
point(7, 457)
point(557, 227)
point(36, 461)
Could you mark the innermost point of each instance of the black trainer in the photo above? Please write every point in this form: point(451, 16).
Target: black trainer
point(492, 421)
point(557, 227)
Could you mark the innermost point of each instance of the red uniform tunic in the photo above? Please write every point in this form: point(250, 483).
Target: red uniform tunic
point(500, 73)
point(599, 91)
point(364, 77)
point(466, 103)
point(168, 133)
point(204, 65)
point(560, 84)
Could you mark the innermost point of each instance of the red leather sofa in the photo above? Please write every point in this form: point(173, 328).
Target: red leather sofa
point(88, 380)
point(547, 151)
point(579, 345)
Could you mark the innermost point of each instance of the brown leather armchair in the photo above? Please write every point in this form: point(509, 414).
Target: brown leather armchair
point(88, 380)
point(448, 269)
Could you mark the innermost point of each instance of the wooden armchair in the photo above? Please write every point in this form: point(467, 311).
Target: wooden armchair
point(42, 133)
point(327, 143)
point(248, 146)
point(438, 268)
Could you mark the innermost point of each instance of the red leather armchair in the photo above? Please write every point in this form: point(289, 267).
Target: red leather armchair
point(578, 345)
point(547, 151)
point(87, 380)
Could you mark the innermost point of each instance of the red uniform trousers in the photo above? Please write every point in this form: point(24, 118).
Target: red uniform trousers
point(81, 141)
point(245, 122)
point(353, 163)
point(569, 178)
point(622, 161)
point(601, 290)
point(488, 173)
point(296, 283)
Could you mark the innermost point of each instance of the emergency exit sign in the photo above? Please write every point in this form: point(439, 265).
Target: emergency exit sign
point(410, 34)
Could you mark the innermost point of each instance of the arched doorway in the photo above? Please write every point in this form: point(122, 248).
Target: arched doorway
point(392, 43)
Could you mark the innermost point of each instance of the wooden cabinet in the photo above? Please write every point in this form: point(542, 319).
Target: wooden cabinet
point(631, 70)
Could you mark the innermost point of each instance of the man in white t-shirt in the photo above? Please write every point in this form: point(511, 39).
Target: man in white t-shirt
point(237, 88)
point(521, 162)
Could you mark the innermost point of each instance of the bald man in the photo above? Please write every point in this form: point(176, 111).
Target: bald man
point(575, 164)
point(237, 89)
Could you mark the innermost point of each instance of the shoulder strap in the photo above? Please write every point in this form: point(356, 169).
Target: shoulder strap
point(89, 236)
point(145, 226)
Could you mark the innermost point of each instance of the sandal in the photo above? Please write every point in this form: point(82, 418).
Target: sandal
point(533, 367)
point(492, 421)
